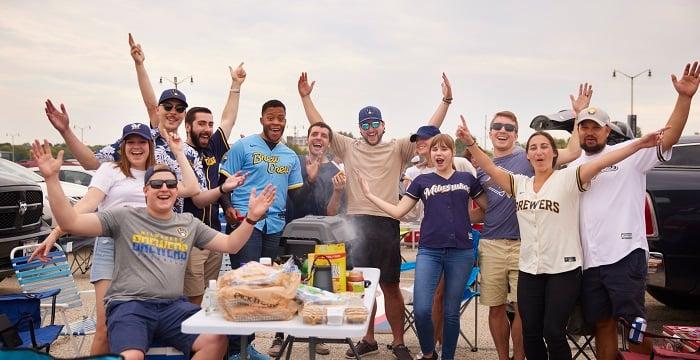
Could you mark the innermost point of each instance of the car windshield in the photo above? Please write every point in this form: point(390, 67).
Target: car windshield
point(8, 167)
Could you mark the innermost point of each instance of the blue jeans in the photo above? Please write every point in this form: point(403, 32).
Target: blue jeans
point(431, 263)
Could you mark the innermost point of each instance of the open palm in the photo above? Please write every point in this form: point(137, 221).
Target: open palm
point(59, 119)
point(688, 83)
point(48, 165)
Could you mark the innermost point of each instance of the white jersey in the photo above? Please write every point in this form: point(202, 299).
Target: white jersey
point(549, 222)
point(612, 212)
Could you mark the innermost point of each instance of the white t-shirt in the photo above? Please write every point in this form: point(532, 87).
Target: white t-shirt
point(612, 212)
point(119, 190)
point(461, 164)
point(548, 221)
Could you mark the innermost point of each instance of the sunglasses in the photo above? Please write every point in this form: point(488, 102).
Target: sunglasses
point(179, 108)
point(366, 125)
point(499, 126)
point(158, 184)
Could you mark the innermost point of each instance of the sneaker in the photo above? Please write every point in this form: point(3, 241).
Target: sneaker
point(253, 354)
point(401, 352)
point(276, 347)
point(363, 349)
point(322, 349)
point(435, 356)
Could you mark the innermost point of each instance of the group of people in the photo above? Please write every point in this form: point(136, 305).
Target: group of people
point(159, 238)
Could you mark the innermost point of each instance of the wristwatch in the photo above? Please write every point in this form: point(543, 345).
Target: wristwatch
point(251, 221)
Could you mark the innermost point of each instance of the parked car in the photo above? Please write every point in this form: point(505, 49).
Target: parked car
point(74, 192)
point(71, 173)
point(21, 220)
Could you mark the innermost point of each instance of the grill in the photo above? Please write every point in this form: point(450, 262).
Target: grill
point(11, 198)
point(301, 235)
point(16, 218)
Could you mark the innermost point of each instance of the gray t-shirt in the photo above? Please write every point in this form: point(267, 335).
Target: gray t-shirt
point(150, 255)
point(500, 221)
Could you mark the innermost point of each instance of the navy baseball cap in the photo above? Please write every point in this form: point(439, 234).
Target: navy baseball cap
point(425, 132)
point(370, 113)
point(139, 129)
point(172, 94)
point(155, 169)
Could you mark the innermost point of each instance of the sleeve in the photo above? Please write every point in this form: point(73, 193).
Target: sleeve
point(109, 152)
point(406, 148)
point(295, 180)
point(203, 234)
point(411, 173)
point(572, 179)
point(234, 159)
point(108, 219)
point(475, 189)
point(462, 164)
point(645, 159)
point(340, 144)
point(415, 190)
point(219, 145)
point(516, 182)
point(104, 177)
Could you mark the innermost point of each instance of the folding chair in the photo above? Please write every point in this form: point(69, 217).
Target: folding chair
point(23, 310)
point(580, 334)
point(81, 248)
point(407, 292)
point(38, 276)
point(471, 292)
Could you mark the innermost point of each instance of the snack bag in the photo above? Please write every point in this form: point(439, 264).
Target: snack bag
point(336, 254)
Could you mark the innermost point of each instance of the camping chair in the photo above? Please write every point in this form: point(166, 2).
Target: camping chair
point(37, 276)
point(23, 317)
point(81, 248)
point(471, 292)
point(580, 334)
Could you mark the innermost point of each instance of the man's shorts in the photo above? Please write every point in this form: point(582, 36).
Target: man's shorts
point(498, 262)
point(203, 265)
point(378, 245)
point(136, 324)
point(102, 259)
point(615, 290)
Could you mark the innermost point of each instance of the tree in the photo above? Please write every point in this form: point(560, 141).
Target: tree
point(298, 149)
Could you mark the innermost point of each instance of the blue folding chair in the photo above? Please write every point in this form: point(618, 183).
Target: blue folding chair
point(471, 292)
point(23, 310)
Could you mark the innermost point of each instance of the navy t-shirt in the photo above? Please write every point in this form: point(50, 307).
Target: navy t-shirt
point(446, 216)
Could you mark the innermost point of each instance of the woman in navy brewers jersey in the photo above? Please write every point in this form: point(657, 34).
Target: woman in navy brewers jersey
point(445, 245)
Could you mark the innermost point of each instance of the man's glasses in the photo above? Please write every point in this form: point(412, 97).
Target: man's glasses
point(179, 108)
point(158, 184)
point(499, 126)
point(366, 125)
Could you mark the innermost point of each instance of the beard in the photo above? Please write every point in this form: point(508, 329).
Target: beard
point(197, 141)
point(594, 149)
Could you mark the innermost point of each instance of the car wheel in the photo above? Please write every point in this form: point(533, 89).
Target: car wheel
point(674, 299)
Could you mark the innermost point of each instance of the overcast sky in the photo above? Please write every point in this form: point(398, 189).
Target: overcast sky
point(523, 56)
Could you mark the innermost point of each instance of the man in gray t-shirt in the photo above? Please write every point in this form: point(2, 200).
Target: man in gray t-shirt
point(145, 302)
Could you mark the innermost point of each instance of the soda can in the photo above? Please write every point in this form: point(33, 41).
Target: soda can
point(639, 326)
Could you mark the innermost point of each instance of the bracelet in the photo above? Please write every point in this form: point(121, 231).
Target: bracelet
point(250, 221)
point(472, 144)
point(221, 189)
point(447, 100)
point(237, 91)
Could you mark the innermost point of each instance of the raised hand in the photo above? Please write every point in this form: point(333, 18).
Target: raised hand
point(446, 88)
point(258, 205)
point(136, 51)
point(463, 133)
point(303, 85)
point(339, 181)
point(313, 164)
point(652, 139)
point(59, 119)
point(238, 74)
point(688, 83)
point(363, 183)
point(234, 181)
point(48, 165)
point(583, 100)
point(174, 142)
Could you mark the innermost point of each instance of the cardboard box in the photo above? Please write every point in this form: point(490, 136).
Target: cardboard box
point(336, 254)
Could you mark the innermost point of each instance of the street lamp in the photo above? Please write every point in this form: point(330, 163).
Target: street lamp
point(177, 82)
point(82, 130)
point(12, 143)
point(632, 118)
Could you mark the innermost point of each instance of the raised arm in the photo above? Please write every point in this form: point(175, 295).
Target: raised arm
point(61, 122)
point(499, 176)
point(686, 87)
point(230, 113)
point(339, 182)
point(590, 169)
point(189, 186)
point(211, 196)
point(396, 211)
point(441, 111)
point(305, 90)
point(578, 103)
point(257, 207)
point(149, 97)
point(66, 216)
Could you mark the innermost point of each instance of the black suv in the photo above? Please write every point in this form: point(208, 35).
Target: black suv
point(21, 205)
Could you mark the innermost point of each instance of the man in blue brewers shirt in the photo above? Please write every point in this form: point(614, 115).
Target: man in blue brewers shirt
point(264, 160)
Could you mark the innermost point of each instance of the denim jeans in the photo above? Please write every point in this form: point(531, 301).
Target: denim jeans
point(431, 263)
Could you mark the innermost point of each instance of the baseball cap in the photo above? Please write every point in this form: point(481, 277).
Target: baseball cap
point(155, 169)
point(370, 113)
point(425, 132)
point(595, 114)
point(172, 94)
point(139, 129)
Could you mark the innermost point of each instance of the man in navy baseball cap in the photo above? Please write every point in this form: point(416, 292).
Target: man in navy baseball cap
point(371, 124)
point(171, 109)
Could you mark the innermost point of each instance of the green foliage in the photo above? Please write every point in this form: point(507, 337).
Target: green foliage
point(23, 151)
point(298, 149)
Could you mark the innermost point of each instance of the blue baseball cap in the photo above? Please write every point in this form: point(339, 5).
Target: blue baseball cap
point(370, 113)
point(425, 132)
point(156, 169)
point(172, 94)
point(139, 129)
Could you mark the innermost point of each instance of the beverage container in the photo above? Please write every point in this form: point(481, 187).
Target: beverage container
point(210, 302)
point(639, 326)
point(356, 282)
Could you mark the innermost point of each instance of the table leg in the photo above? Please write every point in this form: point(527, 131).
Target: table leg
point(289, 351)
point(352, 347)
point(244, 347)
point(284, 346)
point(312, 348)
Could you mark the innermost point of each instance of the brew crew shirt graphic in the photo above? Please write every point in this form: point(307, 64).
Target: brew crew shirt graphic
point(549, 222)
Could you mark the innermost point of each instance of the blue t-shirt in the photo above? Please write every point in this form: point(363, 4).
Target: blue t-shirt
point(279, 167)
point(500, 221)
point(446, 216)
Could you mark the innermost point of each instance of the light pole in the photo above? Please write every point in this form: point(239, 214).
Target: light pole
point(12, 143)
point(632, 118)
point(177, 82)
point(82, 130)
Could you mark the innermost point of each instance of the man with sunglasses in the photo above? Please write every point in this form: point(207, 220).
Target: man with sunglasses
point(499, 247)
point(381, 163)
point(152, 246)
